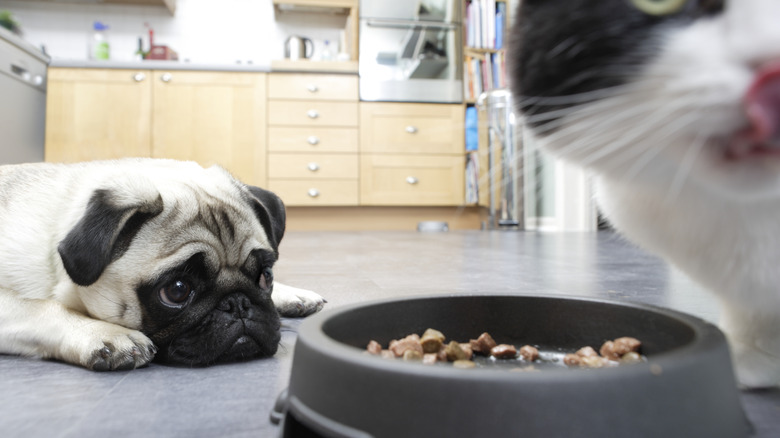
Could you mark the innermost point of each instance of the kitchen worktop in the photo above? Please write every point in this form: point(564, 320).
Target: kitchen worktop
point(159, 65)
point(47, 398)
point(265, 67)
point(15, 40)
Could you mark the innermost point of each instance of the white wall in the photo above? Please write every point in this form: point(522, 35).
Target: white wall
point(202, 31)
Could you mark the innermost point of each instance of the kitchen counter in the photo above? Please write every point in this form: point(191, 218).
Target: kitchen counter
point(349, 67)
point(159, 65)
point(23, 45)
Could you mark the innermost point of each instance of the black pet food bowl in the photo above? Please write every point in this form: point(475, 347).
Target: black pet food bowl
point(686, 388)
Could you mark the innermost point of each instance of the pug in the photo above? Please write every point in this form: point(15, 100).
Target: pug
point(111, 264)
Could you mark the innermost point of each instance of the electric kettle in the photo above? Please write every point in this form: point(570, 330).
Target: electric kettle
point(298, 47)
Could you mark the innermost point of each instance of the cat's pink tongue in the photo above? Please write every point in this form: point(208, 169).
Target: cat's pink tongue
point(762, 106)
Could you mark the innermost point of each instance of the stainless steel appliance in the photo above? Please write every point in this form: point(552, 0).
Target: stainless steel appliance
point(297, 47)
point(411, 51)
point(22, 100)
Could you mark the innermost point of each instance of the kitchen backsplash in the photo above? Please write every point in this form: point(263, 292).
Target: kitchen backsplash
point(202, 31)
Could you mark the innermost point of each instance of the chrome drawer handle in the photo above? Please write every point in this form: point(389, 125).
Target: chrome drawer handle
point(313, 114)
point(313, 193)
point(166, 77)
point(312, 88)
point(411, 129)
point(313, 140)
point(313, 166)
point(139, 77)
point(412, 180)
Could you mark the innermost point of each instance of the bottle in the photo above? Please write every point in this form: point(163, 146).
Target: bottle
point(327, 53)
point(139, 54)
point(99, 48)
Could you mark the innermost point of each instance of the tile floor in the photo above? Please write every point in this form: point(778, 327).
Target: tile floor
point(49, 399)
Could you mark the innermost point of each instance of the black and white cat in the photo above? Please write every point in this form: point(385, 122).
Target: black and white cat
point(674, 105)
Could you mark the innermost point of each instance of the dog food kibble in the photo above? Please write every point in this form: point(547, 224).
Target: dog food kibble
point(504, 351)
point(412, 355)
point(455, 351)
point(631, 357)
point(614, 350)
point(586, 351)
point(429, 358)
point(572, 359)
point(483, 344)
point(462, 363)
point(529, 353)
point(411, 342)
point(430, 348)
point(432, 341)
point(374, 347)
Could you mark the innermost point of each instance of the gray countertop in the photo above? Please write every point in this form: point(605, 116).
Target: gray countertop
point(160, 65)
point(16, 40)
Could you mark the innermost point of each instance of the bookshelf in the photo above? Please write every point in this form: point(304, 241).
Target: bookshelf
point(485, 24)
point(484, 55)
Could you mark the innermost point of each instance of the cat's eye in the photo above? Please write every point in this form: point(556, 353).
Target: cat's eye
point(659, 7)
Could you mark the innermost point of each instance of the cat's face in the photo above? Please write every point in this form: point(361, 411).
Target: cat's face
point(670, 92)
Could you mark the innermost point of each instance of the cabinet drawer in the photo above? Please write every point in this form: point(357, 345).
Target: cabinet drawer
point(412, 128)
point(412, 179)
point(312, 86)
point(315, 192)
point(281, 139)
point(312, 113)
point(315, 166)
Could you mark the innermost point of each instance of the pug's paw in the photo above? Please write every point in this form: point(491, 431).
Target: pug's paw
point(119, 349)
point(294, 302)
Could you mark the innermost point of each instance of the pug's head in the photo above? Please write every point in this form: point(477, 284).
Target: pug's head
point(186, 257)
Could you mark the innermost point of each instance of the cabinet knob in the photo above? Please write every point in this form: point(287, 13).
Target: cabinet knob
point(412, 180)
point(313, 193)
point(166, 77)
point(313, 140)
point(312, 88)
point(139, 77)
point(313, 114)
point(313, 166)
point(411, 129)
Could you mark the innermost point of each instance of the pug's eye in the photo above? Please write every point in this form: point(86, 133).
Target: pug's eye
point(659, 7)
point(266, 279)
point(176, 293)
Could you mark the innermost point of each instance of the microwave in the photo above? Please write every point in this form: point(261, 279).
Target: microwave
point(411, 51)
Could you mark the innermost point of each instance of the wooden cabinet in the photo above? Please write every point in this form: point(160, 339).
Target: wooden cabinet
point(94, 114)
point(412, 179)
point(412, 154)
point(313, 139)
point(211, 118)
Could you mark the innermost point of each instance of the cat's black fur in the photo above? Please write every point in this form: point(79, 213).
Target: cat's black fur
point(567, 47)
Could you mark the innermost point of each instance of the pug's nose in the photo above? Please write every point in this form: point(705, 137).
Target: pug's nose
point(236, 304)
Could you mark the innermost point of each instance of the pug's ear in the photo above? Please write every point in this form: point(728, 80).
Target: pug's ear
point(104, 232)
point(269, 210)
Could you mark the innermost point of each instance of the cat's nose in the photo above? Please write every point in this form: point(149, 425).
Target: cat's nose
point(762, 105)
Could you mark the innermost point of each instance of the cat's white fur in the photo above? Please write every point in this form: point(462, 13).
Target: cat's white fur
point(656, 149)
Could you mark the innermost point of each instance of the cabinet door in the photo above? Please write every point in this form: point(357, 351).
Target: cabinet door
point(430, 180)
point(308, 86)
point(412, 128)
point(94, 114)
point(212, 118)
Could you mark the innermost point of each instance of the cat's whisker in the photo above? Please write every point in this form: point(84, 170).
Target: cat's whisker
point(647, 152)
point(593, 136)
point(585, 97)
